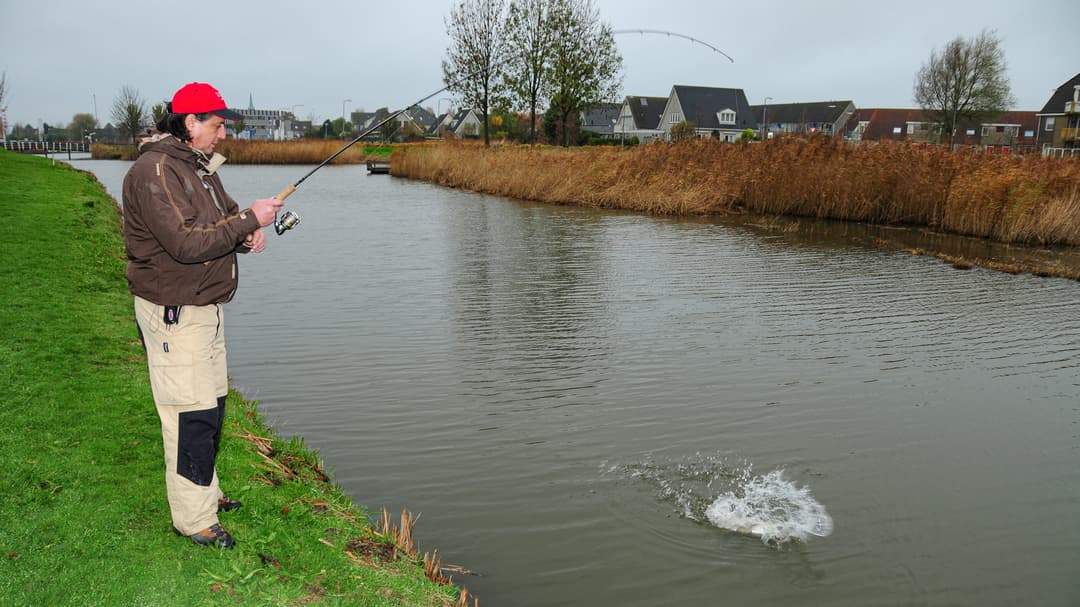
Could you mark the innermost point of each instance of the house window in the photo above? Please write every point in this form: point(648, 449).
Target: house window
point(971, 132)
point(1029, 133)
point(897, 130)
point(985, 131)
point(1050, 124)
point(726, 117)
point(676, 118)
point(1013, 131)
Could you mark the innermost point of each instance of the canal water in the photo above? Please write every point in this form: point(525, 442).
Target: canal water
point(599, 408)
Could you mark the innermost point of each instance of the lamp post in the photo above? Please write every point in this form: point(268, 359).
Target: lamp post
point(764, 122)
point(343, 102)
point(450, 105)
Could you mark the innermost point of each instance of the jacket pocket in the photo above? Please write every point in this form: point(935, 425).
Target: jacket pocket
point(172, 378)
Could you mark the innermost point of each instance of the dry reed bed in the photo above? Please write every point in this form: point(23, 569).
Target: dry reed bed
point(238, 151)
point(1010, 199)
point(304, 151)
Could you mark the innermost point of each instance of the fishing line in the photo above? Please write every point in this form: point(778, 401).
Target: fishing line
point(290, 220)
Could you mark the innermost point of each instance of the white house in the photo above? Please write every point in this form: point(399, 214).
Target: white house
point(640, 117)
point(463, 123)
point(720, 113)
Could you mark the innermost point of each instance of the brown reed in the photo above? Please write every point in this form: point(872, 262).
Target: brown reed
point(1014, 199)
point(401, 538)
point(302, 151)
point(239, 151)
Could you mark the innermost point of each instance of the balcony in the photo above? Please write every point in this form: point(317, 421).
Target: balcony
point(1070, 134)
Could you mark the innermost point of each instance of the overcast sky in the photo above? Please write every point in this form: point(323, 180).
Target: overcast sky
point(62, 56)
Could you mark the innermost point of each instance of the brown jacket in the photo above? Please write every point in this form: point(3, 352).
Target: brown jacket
point(181, 229)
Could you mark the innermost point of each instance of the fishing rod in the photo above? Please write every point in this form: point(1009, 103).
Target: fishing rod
point(677, 35)
point(290, 220)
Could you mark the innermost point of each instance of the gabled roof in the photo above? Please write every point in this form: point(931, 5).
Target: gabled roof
point(423, 118)
point(700, 105)
point(459, 117)
point(601, 115)
point(802, 113)
point(362, 119)
point(646, 110)
point(1064, 93)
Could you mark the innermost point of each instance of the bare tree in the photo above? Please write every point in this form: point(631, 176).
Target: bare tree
point(585, 65)
point(530, 32)
point(129, 112)
point(965, 81)
point(474, 58)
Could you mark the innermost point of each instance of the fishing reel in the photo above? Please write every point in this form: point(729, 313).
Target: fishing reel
point(286, 222)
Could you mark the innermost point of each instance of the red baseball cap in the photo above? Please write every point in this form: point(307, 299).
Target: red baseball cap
point(201, 98)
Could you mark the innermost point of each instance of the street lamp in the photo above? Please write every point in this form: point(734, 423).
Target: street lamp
point(343, 102)
point(764, 122)
point(449, 105)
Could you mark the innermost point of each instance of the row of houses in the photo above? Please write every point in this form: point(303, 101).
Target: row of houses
point(726, 115)
point(415, 122)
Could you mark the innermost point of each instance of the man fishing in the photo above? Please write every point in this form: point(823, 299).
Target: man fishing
point(182, 232)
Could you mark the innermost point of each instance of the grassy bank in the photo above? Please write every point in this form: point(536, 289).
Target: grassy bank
point(303, 151)
point(1029, 200)
point(82, 499)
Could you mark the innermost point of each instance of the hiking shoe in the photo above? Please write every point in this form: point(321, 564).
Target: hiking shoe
point(213, 535)
point(225, 504)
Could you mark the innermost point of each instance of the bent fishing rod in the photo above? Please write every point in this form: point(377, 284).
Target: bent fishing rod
point(290, 220)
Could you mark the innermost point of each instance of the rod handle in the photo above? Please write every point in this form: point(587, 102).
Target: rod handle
point(283, 194)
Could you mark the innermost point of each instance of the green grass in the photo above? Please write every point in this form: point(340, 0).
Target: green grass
point(83, 514)
point(378, 151)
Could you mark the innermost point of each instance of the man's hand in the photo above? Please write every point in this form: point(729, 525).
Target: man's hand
point(266, 209)
point(256, 241)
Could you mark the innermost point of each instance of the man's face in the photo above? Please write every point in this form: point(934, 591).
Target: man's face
point(205, 133)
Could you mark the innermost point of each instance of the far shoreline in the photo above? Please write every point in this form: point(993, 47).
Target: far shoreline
point(677, 180)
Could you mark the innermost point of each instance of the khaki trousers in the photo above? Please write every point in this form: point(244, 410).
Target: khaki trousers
point(189, 379)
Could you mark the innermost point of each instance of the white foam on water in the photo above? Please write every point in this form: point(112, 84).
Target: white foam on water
point(772, 508)
point(705, 488)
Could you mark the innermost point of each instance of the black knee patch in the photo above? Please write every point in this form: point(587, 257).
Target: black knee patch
point(197, 446)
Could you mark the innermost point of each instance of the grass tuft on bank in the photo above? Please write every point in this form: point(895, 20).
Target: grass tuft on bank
point(84, 515)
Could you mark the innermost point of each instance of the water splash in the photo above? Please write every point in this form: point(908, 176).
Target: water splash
point(705, 488)
point(772, 508)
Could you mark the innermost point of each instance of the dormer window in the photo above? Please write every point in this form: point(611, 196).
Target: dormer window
point(726, 116)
